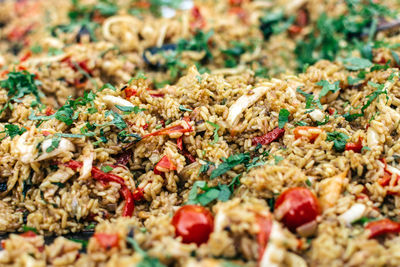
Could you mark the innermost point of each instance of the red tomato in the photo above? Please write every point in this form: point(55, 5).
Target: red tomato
point(193, 223)
point(381, 227)
point(356, 147)
point(107, 241)
point(165, 164)
point(296, 207)
point(28, 234)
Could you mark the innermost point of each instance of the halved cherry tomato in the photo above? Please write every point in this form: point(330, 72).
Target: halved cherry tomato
point(107, 241)
point(382, 227)
point(311, 133)
point(193, 223)
point(296, 207)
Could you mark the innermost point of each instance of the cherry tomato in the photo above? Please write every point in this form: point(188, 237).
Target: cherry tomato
point(382, 227)
point(107, 241)
point(193, 223)
point(296, 207)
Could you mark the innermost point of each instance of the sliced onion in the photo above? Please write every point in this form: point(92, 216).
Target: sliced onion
point(353, 214)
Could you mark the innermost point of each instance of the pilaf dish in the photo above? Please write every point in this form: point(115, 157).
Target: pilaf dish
point(199, 133)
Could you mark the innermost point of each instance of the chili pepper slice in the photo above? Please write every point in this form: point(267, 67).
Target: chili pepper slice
point(171, 129)
point(108, 177)
point(382, 227)
point(107, 241)
point(269, 137)
point(164, 163)
point(356, 147)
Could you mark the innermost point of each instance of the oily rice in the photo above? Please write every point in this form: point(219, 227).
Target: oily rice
point(116, 116)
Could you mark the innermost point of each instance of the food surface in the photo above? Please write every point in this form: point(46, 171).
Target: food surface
point(205, 133)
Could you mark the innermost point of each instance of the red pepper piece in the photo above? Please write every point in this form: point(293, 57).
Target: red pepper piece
point(138, 194)
point(265, 225)
point(356, 147)
point(382, 227)
point(198, 20)
point(157, 95)
point(179, 143)
point(164, 163)
point(172, 129)
point(106, 178)
point(129, 92)
point(269, 137)
point(107, 241)
point(28, 234)
point(26, 56)
point(331, 111)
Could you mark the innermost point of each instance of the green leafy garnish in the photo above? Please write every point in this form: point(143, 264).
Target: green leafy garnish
point(328, 87)
point(106, 168)
point(54, 144)
point(12, 130)
point(216, 128)
point(117, 120)
point(283, 117)
point(146, 261)
point(339, 140)
point(109, 86)
point(229, 164)
point(18, 84)
point(26, 228)
point(126, 109)
point(80, 241)
point(355, 63)
point(182, 108)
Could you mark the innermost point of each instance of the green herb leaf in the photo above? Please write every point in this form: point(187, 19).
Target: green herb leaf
point(106, 168)
point(328, 87)
point(134, 109)
point(109, 86)
point(354, 63)
point(283, 117)
point(216, 128)
point(229, 164)
point(54, 144)
point(147, 261)
point(26, 228)
point(339, 140)
point(182, 108)
point(12, 130)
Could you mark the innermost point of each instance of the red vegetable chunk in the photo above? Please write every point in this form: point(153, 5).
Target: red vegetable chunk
point(296, 207)
point(269, 137)
point(382, 227)
point(193, 223)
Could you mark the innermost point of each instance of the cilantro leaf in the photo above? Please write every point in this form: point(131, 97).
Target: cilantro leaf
point(134, 109)
point(106, 168)
point(355, 63)
point(283, 117)
point(229, 164)
point(216, 128)
point(116, 119)
point(12, 130)
point(182, 108)
point(328, 87)
point(54, 144)
point(339, 140)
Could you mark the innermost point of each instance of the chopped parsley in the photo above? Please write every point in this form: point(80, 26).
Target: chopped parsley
point(230, 163)
point(283, 117)
point(26, 228)
point(328, 87)
point(354, 63)
point(216, 128)
point(18, 84)
point(128, 110)
point(55, 142)
point(12, 130)
point(106, 168)
point(339, 140)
